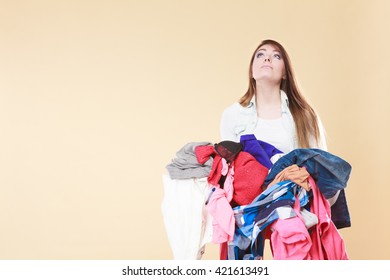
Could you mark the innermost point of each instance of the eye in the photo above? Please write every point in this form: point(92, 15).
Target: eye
point(260, 54)
point(278, 56)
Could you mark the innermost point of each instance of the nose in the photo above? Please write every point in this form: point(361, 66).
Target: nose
point(267, 59)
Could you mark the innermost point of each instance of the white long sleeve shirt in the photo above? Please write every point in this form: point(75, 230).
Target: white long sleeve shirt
point(238, 120)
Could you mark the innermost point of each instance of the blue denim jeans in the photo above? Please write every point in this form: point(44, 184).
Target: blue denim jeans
point(330, 172)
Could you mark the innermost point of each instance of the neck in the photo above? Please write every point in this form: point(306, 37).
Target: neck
point(268, 101)
point(267, 94)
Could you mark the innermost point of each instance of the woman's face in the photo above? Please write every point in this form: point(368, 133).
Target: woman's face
point(268, 65)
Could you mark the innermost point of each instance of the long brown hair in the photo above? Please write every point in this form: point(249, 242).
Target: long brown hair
point(305, 119)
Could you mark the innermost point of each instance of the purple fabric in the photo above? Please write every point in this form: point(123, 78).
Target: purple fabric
point(260, 150)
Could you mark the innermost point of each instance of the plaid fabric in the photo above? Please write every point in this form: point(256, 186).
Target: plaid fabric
point(274, 203)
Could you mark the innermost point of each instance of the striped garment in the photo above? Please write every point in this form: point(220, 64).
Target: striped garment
point(274, 203)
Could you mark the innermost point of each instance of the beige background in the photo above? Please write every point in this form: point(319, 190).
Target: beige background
point(96, 97)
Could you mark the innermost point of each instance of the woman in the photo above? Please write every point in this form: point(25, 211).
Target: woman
point(273, 108)
point(275, 111)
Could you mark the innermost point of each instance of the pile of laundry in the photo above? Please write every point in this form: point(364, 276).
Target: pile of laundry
point(238, 194)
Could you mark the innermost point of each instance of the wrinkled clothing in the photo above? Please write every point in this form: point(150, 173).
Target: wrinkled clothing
point(262, 151)
point(249, 176)
point(290, 239)
point(187, 222)
point(185, 165)
point(219, 207)
point(339, 211)
point(228, 150)
point(274, 203)
point(294, 173)
point(203, 154)
point(327, 242)
point(237, 120)
point(330, 172)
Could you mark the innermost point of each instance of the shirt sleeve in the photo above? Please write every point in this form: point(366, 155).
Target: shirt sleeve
point(228, 119)
point(321, 143)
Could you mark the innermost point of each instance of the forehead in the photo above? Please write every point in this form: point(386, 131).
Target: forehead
point(268, 47)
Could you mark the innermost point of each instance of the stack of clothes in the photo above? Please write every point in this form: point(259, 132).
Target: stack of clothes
point(237, 194)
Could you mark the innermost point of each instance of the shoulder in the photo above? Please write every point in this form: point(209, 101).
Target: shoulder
point(232, 109)
point(237, 109)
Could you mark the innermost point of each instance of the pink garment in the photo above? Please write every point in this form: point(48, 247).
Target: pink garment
point(228, 184)
point(327, 242)
point(219, 207)
point(290, 239)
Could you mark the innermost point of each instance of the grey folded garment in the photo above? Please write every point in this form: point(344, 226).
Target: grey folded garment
point(186, 166)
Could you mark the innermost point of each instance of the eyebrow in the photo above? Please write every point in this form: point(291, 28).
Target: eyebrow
point(266, 50)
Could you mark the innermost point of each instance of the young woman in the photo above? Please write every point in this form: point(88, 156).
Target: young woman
point(273, 108)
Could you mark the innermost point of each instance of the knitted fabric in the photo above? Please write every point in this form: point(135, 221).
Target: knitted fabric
point(249, 176)
point(185, 165)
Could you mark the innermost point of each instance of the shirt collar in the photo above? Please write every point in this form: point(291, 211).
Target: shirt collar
point(283, 97)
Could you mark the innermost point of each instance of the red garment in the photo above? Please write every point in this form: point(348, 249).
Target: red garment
point(203, 153)
point(218, 204)
point(249, 176)
point(327, 242)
